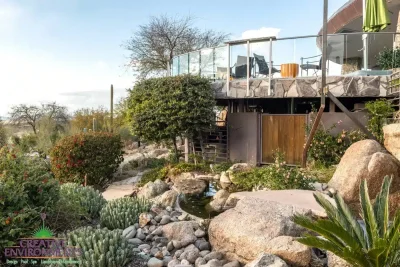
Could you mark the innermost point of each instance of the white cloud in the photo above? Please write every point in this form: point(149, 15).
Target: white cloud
point(262, 32)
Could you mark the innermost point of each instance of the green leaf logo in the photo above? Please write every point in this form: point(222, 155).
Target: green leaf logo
point(43, 232)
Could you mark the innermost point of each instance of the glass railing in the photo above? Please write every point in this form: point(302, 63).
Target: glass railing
point(347, 55)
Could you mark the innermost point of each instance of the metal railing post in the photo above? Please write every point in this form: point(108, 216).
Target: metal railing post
point(248, 70)
point(228, 71)
point(270, 67)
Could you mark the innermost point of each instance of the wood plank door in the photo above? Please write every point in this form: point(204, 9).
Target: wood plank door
point(285, 133)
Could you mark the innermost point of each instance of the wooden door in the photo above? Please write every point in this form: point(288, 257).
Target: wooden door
point(285, 133)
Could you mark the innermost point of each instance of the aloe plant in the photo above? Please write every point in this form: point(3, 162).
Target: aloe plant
point(375, 246)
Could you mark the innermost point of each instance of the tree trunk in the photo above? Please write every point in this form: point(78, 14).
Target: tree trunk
point(175, 149)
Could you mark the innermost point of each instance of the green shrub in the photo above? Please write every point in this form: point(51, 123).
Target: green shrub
point(344, 235)
point(3, 135)
point(101, 247)
point(96, 155)
point(88, 198)
point(327, 149)
point(154, 174)
point(123, 212)
point(27, 188)
point(189, 167)
point(388, 58)
point(27, 143)
point(379, 111)
point(221, 167)
point(276, 176)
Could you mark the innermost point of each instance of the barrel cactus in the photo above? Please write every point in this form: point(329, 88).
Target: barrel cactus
point(90, 199)
point(101, 247)
point(123, 212)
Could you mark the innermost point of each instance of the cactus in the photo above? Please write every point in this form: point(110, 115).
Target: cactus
point(90, 199)
point(101, 247)
point(123, 212)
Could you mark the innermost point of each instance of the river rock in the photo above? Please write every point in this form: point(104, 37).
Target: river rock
point(258, 225)
point(219, 200)
point(181, 233)
point(365, 159)
point(154, 262)
point(267, 260)
point(151, 190)
point(174, 263)
point(190, 186)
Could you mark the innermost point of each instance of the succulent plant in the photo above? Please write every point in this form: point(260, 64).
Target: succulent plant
point(123, 212)
point(89, 198)
point(101, 247)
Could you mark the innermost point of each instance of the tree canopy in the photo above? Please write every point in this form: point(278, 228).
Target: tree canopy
point(154, 45)
point(162, 109)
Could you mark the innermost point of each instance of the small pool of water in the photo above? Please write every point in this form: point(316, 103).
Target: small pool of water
point(197, 205)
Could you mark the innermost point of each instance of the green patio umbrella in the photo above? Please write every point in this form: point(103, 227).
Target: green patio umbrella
point(376, 16)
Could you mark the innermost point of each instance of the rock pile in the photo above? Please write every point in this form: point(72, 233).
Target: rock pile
point(166, 238)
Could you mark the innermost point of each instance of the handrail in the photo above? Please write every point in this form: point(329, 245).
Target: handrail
point(256, 40)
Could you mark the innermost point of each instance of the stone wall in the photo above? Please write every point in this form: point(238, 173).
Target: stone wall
point(355, 86)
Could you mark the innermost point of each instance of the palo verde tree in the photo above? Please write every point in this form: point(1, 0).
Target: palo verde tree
point(154, 45)
point(162, 109)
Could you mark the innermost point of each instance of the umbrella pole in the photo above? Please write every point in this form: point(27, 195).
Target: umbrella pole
point(365, 39)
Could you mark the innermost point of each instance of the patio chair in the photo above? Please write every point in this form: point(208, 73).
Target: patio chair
point(263, 66)
point(241, 67)
point(309, 66)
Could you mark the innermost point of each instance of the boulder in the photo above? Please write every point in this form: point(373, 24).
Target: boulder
point(219, 199)
point(392, 139)
point(240, 167)
point(167, 199)
point(267, 260)
point(261, 222)
point(189, 185)
point(151, 190)
point(181, 233)
point(335, 261)
point(224, 178)
point(365, 159)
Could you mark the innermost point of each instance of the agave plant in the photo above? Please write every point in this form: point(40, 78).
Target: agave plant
point(374, 245)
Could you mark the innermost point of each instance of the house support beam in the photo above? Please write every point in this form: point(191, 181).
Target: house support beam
point(351, 116)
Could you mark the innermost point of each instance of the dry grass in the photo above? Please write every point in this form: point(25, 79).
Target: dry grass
point(321, 173)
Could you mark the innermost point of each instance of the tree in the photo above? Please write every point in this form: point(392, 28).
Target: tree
point(343, 235)
point(154, 45)
point(31, 114)
point(379, 111)
point(83, 118)
point(162, 109)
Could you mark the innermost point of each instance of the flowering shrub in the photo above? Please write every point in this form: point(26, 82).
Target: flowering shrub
point(27, 188)
point(96, 155)
point(276, 176)
point(327, 149)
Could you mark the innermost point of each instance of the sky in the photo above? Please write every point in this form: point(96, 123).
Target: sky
point(71, 51)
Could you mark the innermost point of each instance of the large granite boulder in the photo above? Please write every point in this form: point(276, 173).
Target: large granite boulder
point(189, 185)
point(261, 222)
point(219, 200)
point(335, 261)
point(364, 160)
point(151, 190)
point(392, 139)
point(167, 199)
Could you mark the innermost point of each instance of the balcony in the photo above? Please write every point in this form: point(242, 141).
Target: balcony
point(291, 67)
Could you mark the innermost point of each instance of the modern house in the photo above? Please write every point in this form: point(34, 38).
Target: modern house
point(270, 85)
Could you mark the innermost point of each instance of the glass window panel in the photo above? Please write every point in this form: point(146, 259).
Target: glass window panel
point(238, 61)
point(175, 66)
point(194, 63)
point(307, 54)
point(207, 63)
point(221, 62)
point(184, 64)
point(282, 53)
point(259, 60)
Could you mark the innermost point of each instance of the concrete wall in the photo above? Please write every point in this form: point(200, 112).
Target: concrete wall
point(243, 135)
point(330, 118)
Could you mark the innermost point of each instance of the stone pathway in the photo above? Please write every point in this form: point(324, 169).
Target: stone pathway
point(122, 188)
